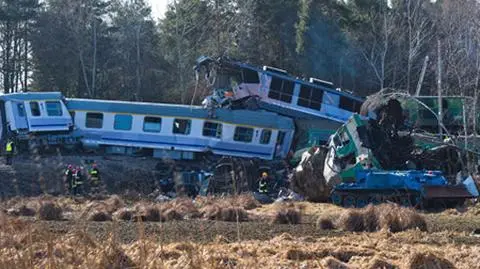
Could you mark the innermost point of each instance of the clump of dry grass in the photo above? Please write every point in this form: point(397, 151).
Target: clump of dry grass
point(171, 214)
point(324, 223)
point(100, 216)
point(22, 210)
point(124, 214)
point(333, 263)
point(377, 263)
point(246, 201)
point(390, 217)
point(230, 213)
point(150, 213)
point(287, 215)
point(114, 257)
point(428, 261)
point(183, 207)
point(352, 221)
point(50, 211)
point(114, 203)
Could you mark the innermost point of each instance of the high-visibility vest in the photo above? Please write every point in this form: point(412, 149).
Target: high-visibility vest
point(9, 147)
point(262, 188)
point(94, 174)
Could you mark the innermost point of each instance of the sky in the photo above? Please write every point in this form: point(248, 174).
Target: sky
point(158, 7)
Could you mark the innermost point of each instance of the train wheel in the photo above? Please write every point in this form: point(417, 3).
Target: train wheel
point(362, 201)
point(336, 199)
point(349, 201)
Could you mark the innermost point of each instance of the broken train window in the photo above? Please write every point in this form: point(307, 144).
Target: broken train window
point(243, 134)
point(310, 97)
point(212, 129)
point(281, 89)
point(250, 76)
point(182, 126)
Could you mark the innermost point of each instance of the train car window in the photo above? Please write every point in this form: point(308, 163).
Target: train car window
point(243, 134)
point(212, 129)
point(182, 126)
point(122, 122)
point(94, 120)
point(265, 137)
point(54, 108)
point(250, 76)
point(35, 108)
point(281, 89)
point(152, 124)
point(347, 103)
point(280, 138)
point(21, 110)
point(310, 97)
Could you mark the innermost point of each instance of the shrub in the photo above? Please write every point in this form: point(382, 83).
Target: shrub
point(100, 216)
point(287, 216)
point(124, 214)
point(391, 217)
point(325, 224)
point(428, 261)
point(50, 211)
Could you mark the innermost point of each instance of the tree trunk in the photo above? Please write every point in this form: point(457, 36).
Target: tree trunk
point(137, 95)
point(94, 65)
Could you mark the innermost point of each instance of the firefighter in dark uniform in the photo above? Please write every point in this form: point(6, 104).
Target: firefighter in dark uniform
point(9, 151)
point(94, 178)
point(77, 181)
point(69, 178)
point(263, 184)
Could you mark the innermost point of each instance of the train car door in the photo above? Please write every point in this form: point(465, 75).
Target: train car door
point(21, 122)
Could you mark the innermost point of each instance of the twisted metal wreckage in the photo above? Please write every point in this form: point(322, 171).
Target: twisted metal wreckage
point(375, 156)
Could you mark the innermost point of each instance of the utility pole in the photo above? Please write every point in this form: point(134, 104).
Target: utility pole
point(439, 87)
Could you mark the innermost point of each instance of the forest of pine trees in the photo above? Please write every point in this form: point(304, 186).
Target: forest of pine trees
point(115, 49)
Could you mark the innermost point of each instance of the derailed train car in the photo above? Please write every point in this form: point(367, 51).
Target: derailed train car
point(173, 131)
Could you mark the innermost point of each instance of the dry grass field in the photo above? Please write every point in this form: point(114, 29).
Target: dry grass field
point(233, 232)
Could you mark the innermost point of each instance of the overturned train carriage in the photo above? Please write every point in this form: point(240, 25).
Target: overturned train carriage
point(165, 131)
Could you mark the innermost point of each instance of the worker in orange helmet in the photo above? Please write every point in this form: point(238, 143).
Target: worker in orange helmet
point(263, 183)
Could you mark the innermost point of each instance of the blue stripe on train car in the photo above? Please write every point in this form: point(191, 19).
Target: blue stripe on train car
point(188, 145)
point(48, 125)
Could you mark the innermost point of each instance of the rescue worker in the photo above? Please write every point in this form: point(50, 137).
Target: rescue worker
point(94, 178)
point(69, 178)
point(263, 183)
point(9, 151)
point(78, 181)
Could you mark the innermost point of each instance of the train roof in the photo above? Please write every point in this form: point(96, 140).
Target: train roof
point(243, 117)
point(287, 76)
point(27, 96)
